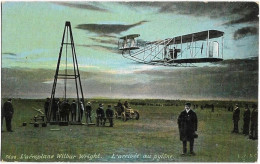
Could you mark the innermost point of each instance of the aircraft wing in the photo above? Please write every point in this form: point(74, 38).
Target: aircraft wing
point(203, 35)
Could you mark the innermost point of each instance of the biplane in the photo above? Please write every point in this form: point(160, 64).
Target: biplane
point(184, 50)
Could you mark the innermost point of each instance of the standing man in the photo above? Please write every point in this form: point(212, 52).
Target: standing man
point(81, 107)
point(88, 112)
point(8, 112)
point(126, 104)
point(2, 115)
point(246, 120)
point(100, 115)
point(73, 109)
point(66, 108)
point(187, 123)
point(254, 121)
point(236, 118)
point(109, 115)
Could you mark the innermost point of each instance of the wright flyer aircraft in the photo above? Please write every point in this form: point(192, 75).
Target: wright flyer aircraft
point(182, 51)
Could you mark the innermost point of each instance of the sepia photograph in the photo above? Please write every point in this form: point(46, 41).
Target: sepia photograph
point(129, 81)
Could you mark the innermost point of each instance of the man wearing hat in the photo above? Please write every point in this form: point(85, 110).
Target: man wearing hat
point(236, 118)
point(187, 123)
point(8, 112)
point(88, 112)
point(100, 115)
point(246, 119)
point(109, 115)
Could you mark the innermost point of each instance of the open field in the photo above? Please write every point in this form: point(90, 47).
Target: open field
point(153, 138)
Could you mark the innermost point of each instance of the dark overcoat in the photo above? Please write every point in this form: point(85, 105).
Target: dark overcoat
point(88, 109)
point(187, 123)
point(236, 114)
point(100, 112)
point(8, 110)
point(73, 107)
point(109, 113)
point(247, 116)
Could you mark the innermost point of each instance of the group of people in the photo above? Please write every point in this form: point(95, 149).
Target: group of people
point(248, 118)
point(102, 116)
point(61, 110)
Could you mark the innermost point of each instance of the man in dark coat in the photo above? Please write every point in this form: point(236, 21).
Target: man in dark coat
point(88, 112)
point(8, 112)
point(126, 104)
point(109, 115)
point(73, 109)
point(100, 115)
point(246, 120)
point(64, 110)
point(254, 121)
point(187, 123)
point(236, 118)
point(55, 108)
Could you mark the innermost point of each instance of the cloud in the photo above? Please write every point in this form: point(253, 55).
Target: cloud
point(109, 41)
point(86, 6)
point(247, 18)
point(102, 48)
point(107, 28)
point(9, 53)
point(238, 12)
point(245, 31)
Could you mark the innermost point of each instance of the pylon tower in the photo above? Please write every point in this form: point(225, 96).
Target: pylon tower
point(69, 43)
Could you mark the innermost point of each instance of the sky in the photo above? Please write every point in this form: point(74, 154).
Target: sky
point(32, 34)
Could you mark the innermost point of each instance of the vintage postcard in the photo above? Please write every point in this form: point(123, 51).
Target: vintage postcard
point(135, 81)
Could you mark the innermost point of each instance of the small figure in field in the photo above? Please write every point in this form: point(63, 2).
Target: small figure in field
point(81, 107)
point(55, 109)
point(254, 122)
point(65, 110)
point(2, 116)
point(73, 109)
point(246, 120)
point(88, 112)
point(121, 107)
point(126, 104)
point(109, 115)
point(187, 123)
point(46, 107)
point(8, 112)
point(236, 118)
point(100, 115)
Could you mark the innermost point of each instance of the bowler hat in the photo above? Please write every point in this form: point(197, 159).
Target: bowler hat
point(188, 104)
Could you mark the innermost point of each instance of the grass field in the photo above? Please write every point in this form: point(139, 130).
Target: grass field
point(153, 138)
